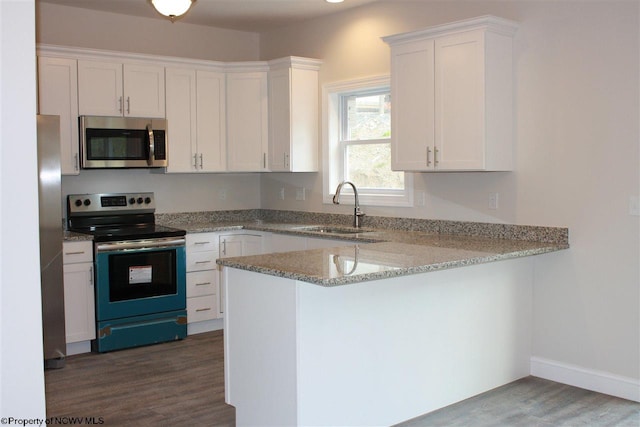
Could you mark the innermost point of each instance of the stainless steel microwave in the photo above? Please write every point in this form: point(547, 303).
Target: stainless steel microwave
point(122, 142)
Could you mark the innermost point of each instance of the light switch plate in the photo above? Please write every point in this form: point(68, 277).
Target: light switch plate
point(300, 193)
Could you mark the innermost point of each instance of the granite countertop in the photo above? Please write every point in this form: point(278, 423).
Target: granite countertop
point(384, 254)
point(389, 247)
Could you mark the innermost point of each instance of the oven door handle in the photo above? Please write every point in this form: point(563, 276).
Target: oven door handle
point(139, 244)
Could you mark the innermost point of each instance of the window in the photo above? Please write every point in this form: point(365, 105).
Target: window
point(358, 143)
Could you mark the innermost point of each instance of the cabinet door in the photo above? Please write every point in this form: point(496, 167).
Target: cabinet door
point(459, 107)
point(230, 245)
point(293, 119)
point(79, 305)
point(181, 116)
point(144, 91)
point(211, 121)
point(100, 88)
point(240, 245)
point(280, 119)
point(247, 121)
point(58, 95)
point(412, 74)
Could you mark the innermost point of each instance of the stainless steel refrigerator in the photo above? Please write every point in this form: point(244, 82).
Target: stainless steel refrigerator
point(50, 213)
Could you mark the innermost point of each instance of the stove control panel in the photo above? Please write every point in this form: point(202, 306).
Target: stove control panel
point(79, 204)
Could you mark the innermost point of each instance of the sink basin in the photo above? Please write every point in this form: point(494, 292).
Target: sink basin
point(334, 230)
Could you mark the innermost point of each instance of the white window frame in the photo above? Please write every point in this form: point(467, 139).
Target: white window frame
point(333, 156)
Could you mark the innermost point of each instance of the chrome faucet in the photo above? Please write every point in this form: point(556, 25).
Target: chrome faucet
point(357, 213)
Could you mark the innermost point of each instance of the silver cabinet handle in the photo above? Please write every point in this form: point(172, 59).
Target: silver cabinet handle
point(200, 160)
point(264, 160)
point(128, 105)
point(203, 262)
point(91, 276)
point(120, 104)
point(76, 165)
point(203, 309)
point(203, 284)
point(224, 247)
point(428, 156)
point(435, 156)
point(195, 161)
point(74, 253)
point(286, 160)
point(201, 243)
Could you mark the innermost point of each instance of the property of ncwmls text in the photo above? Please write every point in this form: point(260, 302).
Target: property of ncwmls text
point(53, 421)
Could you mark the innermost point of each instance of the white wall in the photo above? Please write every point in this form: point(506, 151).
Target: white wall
point(577, 156)
point(72, 26)
point(21, 356)
point(173, 192)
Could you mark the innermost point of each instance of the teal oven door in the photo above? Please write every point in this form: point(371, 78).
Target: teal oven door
point(140, 292)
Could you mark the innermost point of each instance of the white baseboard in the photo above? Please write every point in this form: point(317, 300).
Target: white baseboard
point(78, 347)
point(205, 326)
point(589, 379)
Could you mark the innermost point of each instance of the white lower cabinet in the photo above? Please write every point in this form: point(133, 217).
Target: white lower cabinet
point(202, 279)
point(79, 299)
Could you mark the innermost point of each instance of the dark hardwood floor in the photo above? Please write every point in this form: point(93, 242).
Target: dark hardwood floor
point(181, 383)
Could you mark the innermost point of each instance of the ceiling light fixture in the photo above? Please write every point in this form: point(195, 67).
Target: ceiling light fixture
point(172, 9)
point(334, 1)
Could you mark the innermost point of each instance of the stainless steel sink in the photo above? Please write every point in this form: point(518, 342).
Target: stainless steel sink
point(334, 230)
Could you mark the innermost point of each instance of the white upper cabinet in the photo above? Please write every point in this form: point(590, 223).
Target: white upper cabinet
point(247, 120)
point(293, 114)
point(58, 95)
point(116, 89)
point(452, 94)
point(196, 118)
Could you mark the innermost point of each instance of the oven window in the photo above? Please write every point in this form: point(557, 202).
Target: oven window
point(116, 144)
point(142, 275)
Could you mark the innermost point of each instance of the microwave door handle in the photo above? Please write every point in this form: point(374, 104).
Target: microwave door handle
point(151, 146)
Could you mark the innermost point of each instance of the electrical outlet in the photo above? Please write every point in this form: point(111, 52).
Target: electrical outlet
point(300, 193)
point(494, 201)
point(222, 194)
point(281, 193)
point(421, 198)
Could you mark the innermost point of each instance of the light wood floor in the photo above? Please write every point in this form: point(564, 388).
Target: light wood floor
point(182, 384)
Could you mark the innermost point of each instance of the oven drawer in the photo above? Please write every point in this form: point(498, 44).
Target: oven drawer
point(198, 242)
point(201, 283)
point(76, 252)
point(202, 308)
point(199, 261)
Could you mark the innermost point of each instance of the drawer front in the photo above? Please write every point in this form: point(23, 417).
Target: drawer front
point(201, 283)
point(202, 308)
point(199, 242)
point(76, 252)
point(198, 261)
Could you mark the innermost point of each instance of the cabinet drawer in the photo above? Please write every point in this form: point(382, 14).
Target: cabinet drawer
point(202, 308)
point(199, 261)
point(198, 242)
point(75, 252)
point(201, 283)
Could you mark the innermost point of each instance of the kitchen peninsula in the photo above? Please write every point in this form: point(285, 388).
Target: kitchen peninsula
point(397, 323)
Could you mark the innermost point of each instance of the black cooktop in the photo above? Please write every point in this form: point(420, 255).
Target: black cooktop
point(148, 231)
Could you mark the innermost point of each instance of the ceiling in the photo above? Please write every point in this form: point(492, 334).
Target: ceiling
point(243, 15)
